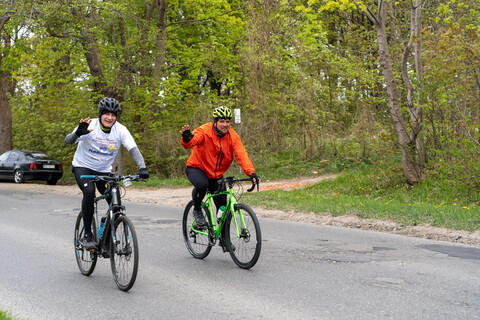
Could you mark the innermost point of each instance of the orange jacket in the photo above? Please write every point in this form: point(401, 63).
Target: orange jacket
point(213, 154)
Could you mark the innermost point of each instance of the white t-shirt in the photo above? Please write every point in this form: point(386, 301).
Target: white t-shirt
point(97, 150)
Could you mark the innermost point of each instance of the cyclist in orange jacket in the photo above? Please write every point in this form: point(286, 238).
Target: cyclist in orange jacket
point(215, 144)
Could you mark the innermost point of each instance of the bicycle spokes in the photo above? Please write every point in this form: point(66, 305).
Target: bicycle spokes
point(86, 259)
point(196, 239)
point(124, 259)
point(244, 235)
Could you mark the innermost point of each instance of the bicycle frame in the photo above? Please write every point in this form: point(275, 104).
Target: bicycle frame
point(217, 226)
point(115, 206)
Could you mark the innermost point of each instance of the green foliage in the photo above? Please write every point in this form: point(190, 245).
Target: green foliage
point(306, 76)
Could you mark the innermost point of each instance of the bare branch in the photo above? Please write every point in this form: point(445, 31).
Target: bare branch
point(5, 17)
point(473, 138)
point(420, 4)
point(368, 13)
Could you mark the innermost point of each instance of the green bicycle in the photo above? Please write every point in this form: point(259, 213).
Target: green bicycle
point(237, 229)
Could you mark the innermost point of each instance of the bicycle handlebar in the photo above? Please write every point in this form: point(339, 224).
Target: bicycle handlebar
point(112, 178)
point(231, 180)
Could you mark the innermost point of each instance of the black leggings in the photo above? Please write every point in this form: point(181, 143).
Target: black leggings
point(88, 190)
point(201, 183)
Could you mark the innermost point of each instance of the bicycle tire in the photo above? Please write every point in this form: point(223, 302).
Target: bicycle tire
point(244, 250)
point(86, 259)
point(124, 253)
point(197, 244)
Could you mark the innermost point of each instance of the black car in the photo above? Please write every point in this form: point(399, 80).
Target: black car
point(29, 165)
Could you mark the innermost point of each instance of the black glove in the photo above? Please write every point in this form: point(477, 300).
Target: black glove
point(143, 173)
point(187, 136)
point(255, 177)
point(82, 129)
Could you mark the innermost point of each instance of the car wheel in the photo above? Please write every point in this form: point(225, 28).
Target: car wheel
point(18, 176)
point(52, 182)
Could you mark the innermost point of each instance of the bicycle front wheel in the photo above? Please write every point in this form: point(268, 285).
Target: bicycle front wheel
point(244, 239)
point(86, 259)
point(124, 253)
point(197, 241)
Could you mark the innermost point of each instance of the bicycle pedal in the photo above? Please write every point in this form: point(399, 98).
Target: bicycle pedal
point(222, 245)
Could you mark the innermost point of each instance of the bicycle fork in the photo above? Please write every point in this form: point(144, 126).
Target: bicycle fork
point(239, 223)
point(125, 236)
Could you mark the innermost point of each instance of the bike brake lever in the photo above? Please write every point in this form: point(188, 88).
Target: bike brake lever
point(253, 186)
point(220, 184)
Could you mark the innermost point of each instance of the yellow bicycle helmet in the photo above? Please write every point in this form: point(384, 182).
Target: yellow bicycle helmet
point(222, 112)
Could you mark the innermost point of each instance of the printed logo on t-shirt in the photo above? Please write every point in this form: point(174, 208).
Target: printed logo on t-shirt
point(105, 147)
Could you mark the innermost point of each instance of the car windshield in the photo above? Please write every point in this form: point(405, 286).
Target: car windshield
point(37, 155)
point(4, 156)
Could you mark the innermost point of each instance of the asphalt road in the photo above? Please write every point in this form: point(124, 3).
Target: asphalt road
point(304, 272)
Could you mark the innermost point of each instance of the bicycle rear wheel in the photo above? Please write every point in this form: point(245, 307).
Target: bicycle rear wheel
point(124, 253)
point(244, 248)
point(197, 241)
point(86, 259)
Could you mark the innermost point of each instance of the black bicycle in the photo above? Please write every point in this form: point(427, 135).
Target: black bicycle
point(115, 238)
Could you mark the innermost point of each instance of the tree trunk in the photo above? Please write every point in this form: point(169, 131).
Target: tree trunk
point(160, 41)
point(416, 33)
point(5, 115)
point(411, 168)
point(416, 113)
point(7, 87)
point(125, 76)
point(145, 54)
point(92, 55)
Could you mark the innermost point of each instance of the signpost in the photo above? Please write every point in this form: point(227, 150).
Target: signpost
point(238, 120)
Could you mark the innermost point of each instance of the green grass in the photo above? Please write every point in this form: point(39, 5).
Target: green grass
point(276, 167)
point(6, 316)
point(374, 192)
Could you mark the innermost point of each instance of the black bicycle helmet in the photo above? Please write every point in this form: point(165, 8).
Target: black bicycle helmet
point(108, 105)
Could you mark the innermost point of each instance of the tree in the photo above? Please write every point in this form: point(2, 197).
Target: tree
point(407, 133)
point(7, 82)
point(156, 57)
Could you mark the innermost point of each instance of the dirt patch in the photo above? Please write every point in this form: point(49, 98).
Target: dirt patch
point(179, 197)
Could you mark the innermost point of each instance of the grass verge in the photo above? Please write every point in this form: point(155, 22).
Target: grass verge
point(373, 192)
point(6, 316)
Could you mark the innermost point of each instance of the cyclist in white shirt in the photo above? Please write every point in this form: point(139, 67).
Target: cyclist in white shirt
point(99, 141)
